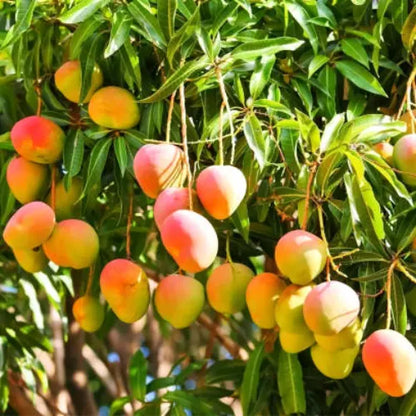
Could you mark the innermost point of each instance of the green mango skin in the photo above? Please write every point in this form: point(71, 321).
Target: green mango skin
point(89, 313)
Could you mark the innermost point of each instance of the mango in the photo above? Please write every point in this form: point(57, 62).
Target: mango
point(337, 364)
point(179, 300)
point(261, 297)
point(89, 313)
point(73, 243)
point(159, 166)
point(404, 157)
point(349, 337)
point(221, 190)
point(226, 287)
point(300, 256)
point(115, 108)
point(126, 289)
point(27, 180)
point(68, 79)
point(385, 150)
point(31, 260)
point(294, 342)
point(66, 205)
point(38, 139)
point(30, 226)
point(390, 360)
point(289, 308)
point(171, 200)
point(330, 307)
point(411, 301)
point(190, 239)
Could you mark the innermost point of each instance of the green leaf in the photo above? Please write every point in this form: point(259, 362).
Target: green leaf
point(226, 13)
point(242, 221)
point(34, 304)
point(166, 12)
point(227, 370)
point(131, 64)
point(137, 375)
point(251, 378)
point(289, 380)
point(176, 79)
point(355, 50)
point(408, 403)
point(98, 159)
point(398, 305)
point(331, 131)
point(317, 62)
point(182, 35)
point(252, 50)
point(300, 14)
point(360, 77)
point(255, 140)
point(409, 30)
point(73, 152)
point(261, 75)
point(120, 31)
point(118, 404)
point(189, 401)
point(309, 131)
point(81, 35)
point(24, 15)
point(120, 149)
point(148, 22)
point(326, 168)
point(82, 11)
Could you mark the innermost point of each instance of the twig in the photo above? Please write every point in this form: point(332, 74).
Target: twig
point(169, 119)
point(53, 187)
point(129, 222)
point(308, 194)
point(388, 291)
point(184, 142)
point(90, 279)
point(220, 143)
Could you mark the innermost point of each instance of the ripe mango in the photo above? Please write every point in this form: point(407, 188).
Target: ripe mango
point(89, 313)
point(38, 139)
point(300, 256)
point(335, 364)
point(179, 300)
point(294, 342)
point(221, 190)
point(226, 287)
point(126, 289)
point(390, 360)
point(66, 205)
point(261, 297)
point(115, 108)
point(190, 239)
point(30, 226)
point(171, 200)
point(27, 180)
point(159, 166)
point(31, 260)
point(349, 337)
point(289, 308)
point(330, 307)
point(73, 243)
point(68, 79)
point(404, 156)
point(385, 150)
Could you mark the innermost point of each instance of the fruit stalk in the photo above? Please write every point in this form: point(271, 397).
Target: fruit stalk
point(129, 222)
point(169, 119)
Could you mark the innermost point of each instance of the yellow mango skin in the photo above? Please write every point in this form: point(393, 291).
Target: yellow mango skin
point(221, 190)
point(411, 301)
point(65, 201)
point(179, 300)
point(390, 360)
point(30, 226)
point(31, 260)
point(27, 180)
point(330, 307)
point(294, 342)
point(159, 166)
point(385, 150)
point(300, 256)
point(226, 287)
point(261, 297)
point(349, 337)
point(89, 313)
point(126, 289)
point(336, 365)
point(289, 308)
point(115, 108)
point(404, 156)
point(73, 243)
point(68, 81)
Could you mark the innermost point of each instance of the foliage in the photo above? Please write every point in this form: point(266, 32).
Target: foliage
point(308, 87)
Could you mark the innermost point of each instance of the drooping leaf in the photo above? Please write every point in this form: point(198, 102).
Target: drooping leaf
point(82, 11)
point(137, 375)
